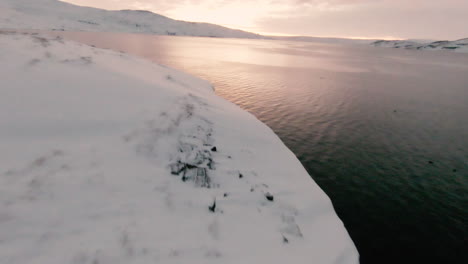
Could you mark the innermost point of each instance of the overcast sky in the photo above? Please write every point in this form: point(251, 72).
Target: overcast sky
point(421, 19)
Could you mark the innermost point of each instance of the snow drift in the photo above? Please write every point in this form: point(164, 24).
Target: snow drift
point(108, 158)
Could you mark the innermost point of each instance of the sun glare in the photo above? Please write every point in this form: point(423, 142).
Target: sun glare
point(239, 16)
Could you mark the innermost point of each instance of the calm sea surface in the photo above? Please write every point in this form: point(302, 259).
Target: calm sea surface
point(384, 132)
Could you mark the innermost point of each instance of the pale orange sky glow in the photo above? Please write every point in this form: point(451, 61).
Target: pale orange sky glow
point(232, 15)
point(390, 19)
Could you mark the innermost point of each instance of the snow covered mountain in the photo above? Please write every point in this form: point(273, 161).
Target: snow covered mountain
point(460, 45)
point(111, 159)
point(56, 15)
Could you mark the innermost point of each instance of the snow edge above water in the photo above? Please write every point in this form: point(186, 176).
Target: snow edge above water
point(164, 172)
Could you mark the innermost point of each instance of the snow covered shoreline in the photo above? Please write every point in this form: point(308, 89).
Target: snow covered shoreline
point(107, 158)
point(460, 45)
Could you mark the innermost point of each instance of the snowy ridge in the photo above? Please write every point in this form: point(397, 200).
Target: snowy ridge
point(112, 159)
point(56, 15)
point(460, 45)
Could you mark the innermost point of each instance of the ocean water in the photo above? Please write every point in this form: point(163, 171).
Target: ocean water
point(384, 132)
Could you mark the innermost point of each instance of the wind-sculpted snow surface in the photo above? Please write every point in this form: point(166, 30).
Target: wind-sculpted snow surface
point(56, 15)
point(460, 45)
point(111, 159)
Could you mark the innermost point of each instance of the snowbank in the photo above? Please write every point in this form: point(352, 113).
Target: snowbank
point(56, 15)
point(108, 158)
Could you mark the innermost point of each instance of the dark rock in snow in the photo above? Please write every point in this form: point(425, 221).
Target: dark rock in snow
point(212, 207)
point(269, 197)
point(190, 166)
point(177, 168)
point(241, 176)
point(210, 164)
point(214, 149)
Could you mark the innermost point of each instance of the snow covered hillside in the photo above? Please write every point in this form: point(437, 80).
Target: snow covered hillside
point(56, 15)
point(111, 159)
point(460, 45)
